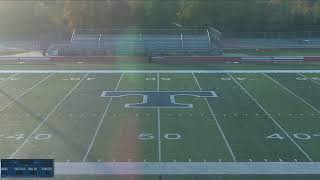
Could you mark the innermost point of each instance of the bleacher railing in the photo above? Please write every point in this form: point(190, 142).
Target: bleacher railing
point(154, 41)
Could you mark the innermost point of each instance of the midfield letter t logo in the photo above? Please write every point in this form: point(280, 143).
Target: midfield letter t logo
point(158, 99)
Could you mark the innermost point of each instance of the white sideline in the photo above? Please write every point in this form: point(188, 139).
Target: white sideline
point(160, 71)
point(100, 122)
point(186, 168)
point(217, 122)
point(273, 120)
point(47, 117)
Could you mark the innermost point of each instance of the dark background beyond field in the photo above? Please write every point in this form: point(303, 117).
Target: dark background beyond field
point(55, 19)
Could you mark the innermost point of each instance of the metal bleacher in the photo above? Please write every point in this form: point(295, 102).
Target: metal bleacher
point(141, 42)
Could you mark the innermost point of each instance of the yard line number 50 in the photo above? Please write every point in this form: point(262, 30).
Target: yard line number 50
point(150, 136)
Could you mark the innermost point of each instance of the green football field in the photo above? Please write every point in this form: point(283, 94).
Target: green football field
point(174, 117)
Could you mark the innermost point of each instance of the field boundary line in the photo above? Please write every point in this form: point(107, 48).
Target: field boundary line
point(24, 93)
point(100, 122)
point(217, 122)
point(159, 71)
point(288, 90)
point(318, 83)
point(48, 115)
point(186, 168)
point(274, 121)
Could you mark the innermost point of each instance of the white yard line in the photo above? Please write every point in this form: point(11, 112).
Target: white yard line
point(288, 90)
point(274, 121)
point(158, 82)
point(24, 93)
point(159, 71)
point(47, 117)
point(159, 123)
point(309, 78)
point(186, 168)
point(159, 138)
point(217, 122)
point(100, 122)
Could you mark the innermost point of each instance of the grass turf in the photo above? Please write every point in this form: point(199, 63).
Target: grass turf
point(261, 118)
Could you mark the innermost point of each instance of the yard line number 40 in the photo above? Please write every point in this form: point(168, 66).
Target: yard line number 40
point(300, 136)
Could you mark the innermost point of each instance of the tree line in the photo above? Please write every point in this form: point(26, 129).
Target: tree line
point(35, 17)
